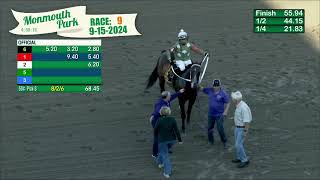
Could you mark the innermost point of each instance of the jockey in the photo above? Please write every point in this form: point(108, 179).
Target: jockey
point(182, 50)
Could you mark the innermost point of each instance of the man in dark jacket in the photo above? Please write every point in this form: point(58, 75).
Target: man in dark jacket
point(165, 100)
point(167, 132)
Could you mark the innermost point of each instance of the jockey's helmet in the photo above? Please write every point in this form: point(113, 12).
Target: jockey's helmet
point(182, 35)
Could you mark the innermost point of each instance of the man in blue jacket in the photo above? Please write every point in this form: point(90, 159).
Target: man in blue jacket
point(218, 109)
point(165, 100)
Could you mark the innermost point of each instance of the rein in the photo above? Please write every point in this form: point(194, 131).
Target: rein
point(189, 80)
point(202, 75)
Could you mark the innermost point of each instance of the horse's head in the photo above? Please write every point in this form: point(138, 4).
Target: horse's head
point(195, 75)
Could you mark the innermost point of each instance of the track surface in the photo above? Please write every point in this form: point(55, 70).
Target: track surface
point(108, 136)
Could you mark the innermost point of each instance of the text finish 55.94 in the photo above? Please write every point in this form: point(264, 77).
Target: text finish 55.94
point(278, 20)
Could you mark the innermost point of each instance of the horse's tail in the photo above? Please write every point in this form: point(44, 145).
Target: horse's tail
point(153, 77)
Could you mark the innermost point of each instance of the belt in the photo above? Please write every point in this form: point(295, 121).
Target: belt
point(240, 126)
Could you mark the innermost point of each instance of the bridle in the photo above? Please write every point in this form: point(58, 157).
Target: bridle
point(202, 75)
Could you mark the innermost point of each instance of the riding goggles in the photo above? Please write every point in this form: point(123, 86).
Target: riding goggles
point(182, 37)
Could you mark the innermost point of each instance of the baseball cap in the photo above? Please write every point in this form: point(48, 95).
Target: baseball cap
point(216, 82)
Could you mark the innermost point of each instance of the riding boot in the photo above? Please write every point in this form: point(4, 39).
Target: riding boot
point(171, 74)
point(170, 77)
point(177, 70)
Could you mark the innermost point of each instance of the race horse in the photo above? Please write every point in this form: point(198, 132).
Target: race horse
point(188, 80)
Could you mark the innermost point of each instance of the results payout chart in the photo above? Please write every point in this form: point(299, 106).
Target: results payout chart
point(59, 65)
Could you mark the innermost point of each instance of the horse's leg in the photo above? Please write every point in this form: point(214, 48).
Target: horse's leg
point(161, 83)
point(192, 99)
point(183, 113)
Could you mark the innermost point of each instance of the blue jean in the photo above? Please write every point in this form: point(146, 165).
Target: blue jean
point(163, 157)
point(211, 122)
point(239, 139)
point(155, 146)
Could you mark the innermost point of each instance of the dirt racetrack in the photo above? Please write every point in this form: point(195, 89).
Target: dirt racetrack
point(108, 136)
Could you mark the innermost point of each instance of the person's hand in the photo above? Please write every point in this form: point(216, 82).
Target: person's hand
point(180, 142)
point(225, 114)
point(206, 53)
point(181, 90)
point(200, 87)
point(245, 134)
point(151, 118)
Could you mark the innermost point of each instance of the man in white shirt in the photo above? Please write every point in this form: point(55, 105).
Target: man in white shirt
point(242, 118)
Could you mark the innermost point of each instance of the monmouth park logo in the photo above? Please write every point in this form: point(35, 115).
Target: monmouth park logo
point(74, 22)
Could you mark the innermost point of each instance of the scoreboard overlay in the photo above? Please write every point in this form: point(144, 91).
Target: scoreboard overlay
point(59, 65)
point(278, 21)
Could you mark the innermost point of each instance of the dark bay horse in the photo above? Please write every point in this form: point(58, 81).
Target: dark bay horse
point(189, 81)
